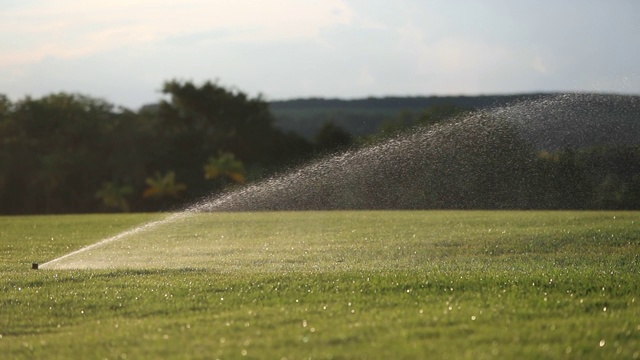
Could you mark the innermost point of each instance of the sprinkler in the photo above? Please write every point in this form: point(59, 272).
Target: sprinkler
point(34, 266)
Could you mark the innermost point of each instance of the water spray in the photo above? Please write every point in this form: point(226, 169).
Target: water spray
point(168, 219)
point(453, 157)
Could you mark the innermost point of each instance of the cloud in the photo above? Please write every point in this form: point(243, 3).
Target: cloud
point(70, 29)
point(453, 55)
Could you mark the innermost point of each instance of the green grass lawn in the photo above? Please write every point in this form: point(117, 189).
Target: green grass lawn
point(292, 285)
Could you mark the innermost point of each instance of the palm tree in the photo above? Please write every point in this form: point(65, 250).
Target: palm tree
point(163, 186)
point(226, 166)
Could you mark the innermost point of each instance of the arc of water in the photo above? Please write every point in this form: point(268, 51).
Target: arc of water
point(312, 186)
point(118, 237)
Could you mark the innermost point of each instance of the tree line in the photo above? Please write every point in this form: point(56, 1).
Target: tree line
point(72, 153)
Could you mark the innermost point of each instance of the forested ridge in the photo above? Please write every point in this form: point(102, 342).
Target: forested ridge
point(72, 153)
point(362, 117)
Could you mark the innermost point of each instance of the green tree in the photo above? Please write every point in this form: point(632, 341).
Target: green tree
point(55, 149)
point(403, 121)
point(440, 113)
point(217, 119)
point(331, 138)
point(5, 146)
point(225, 165)
point(406, 120)
point(163, 186)
point(115, 196)
point(199, 120)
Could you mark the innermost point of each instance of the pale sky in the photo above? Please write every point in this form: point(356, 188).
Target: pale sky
point(123, 50)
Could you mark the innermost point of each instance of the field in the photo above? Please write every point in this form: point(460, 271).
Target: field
point(320, 285)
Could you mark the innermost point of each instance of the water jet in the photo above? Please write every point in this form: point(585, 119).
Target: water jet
point(483, 160)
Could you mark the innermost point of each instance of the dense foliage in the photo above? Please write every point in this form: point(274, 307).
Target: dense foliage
point(73, 153)
point(70, 153)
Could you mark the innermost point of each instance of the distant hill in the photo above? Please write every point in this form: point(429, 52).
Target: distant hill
point(364, 116)
point(549, 121)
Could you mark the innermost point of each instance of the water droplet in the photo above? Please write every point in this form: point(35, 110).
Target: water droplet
point(602, 342)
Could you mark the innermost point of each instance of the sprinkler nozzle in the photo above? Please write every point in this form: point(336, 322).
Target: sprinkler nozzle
point(34, 266)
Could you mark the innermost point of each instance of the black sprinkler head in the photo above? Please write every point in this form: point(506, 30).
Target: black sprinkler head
point(34, 266)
